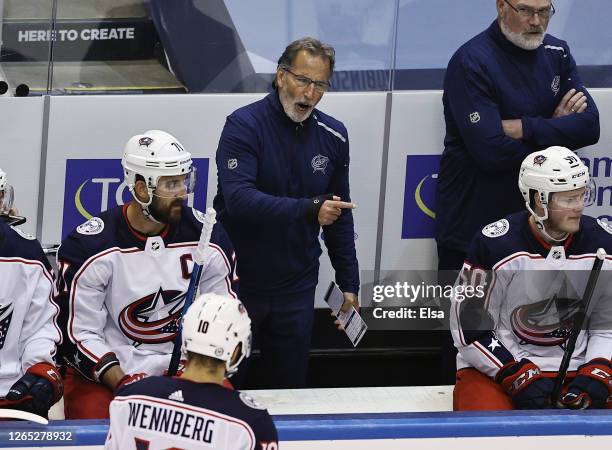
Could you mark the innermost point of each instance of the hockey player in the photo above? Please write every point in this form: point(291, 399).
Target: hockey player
point(123, 276)
point(194, 410)
point(511, 339)
point(29, 380)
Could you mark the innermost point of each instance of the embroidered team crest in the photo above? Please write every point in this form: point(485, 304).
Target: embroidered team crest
point(605, 225)
point(556, 84)
point(538, 160)
point(6, 314)
point(95, 225)
point(153, 319)
point(475, 117)
point(145, 141)
point(23, 234)
point(319, 163)
point(548, 322)
point(496, 229)
point(250, 401)
point(232, 163)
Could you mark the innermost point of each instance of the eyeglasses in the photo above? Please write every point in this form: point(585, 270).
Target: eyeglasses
point(304, 82)
point(527, 12)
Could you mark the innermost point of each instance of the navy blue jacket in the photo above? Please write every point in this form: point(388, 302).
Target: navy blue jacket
point(488, 80)
point(269, 168)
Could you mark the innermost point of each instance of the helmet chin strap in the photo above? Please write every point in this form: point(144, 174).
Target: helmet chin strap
point(145, 206)
point(539, 221)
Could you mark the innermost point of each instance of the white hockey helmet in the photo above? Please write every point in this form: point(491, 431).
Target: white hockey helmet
point(6, 194)
point(214, 325)
point(556, 169)
point(152, 155)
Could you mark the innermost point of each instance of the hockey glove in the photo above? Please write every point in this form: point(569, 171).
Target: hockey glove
point(129, 379)
point(591, 387)
point(524, 382)
point(37, 390)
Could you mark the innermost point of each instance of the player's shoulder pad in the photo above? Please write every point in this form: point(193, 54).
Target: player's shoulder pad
point(250, 401)
point(496, 229)
point(93, 226)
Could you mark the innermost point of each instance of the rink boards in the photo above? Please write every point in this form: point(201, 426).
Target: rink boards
point(386, 418)
point(500, 430)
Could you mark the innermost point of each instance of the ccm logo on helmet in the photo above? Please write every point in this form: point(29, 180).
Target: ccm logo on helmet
point(578, 175)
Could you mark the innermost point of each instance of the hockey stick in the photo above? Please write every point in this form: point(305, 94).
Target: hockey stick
point(571, 341)
point(194, 281)
point(22, 415)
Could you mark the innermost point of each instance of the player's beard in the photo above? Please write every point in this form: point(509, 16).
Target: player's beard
point(524, 40)
point(165, 212)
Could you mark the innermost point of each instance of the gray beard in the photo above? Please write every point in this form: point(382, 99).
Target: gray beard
point(519, 40)
point(289, 110)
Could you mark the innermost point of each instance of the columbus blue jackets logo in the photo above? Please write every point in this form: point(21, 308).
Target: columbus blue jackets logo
point(146, 141)
point(538, 160)
point(547, 323)
point(556, 84)
point(6, 314)
point(153, 319)
point(319, 163)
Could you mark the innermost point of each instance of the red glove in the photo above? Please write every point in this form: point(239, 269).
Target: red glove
point(36, 391)
point(591, 387)
point(129, 379)
point(49, 372)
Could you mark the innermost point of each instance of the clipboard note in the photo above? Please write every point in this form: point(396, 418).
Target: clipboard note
point(354, 326)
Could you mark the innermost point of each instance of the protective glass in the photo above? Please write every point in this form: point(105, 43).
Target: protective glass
point(528, 13)
point(177, 185)
point(566, 200)
point(6, 199)
point(304, 82)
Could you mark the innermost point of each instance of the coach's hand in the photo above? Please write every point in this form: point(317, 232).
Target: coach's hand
point(572, 102)
point(331, 210)
point(350, 299)
point(591, 387)
point(524, 382)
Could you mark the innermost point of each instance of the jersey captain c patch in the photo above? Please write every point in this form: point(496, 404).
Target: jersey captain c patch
point(496, 229)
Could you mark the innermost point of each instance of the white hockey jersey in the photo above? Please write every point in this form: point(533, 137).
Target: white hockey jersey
point(159, 413)
point(121, 292)
point(28, 329)
point(534, 292)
